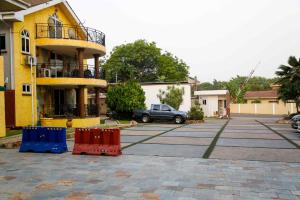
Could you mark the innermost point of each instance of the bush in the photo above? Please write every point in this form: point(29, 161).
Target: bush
point(196, 112)
point(123, 98)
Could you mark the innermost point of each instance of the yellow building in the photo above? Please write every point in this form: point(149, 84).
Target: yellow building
point(47, 78)
point(263, 102)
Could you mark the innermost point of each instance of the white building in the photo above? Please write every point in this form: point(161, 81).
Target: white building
point(213, 102)
point(152, 90)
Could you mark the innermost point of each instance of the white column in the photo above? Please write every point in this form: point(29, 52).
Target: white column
point(255, 108)
point(239, 108)
point(273, 108)
point(292, 107)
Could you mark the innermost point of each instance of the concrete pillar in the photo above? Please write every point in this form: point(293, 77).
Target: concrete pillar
point(97, 74)
point(81, 106)
point(97, 101)
point(2, 100)
point(80, 62)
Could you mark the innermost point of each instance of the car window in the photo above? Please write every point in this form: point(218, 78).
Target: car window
point(156, 107)
point(165, 108)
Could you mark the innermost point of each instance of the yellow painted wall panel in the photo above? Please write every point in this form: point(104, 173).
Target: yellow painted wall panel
point(76, 123)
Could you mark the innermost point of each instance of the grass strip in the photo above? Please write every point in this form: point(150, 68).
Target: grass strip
point(281, 135)
point(212, 145)
point(153, 136)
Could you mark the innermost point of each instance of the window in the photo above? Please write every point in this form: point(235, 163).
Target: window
point(25, 41)
point(204, 101)
point(2, 43)
point(225, 103)
point(165, 108)
point(26, 89)
point(156, 107)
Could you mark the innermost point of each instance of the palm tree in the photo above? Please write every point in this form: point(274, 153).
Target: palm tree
point(289, 79)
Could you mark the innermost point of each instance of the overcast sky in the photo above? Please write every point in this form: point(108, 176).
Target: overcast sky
point(218, 39)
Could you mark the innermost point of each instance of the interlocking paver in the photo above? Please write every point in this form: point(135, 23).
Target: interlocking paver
point(264, 154)
point(251, 135)
point(180, 140)
point(259, 143)
point(189, 134)
point(166, 150)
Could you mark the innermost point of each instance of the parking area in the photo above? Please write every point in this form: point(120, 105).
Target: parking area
point(242, 138)
point(253, 138)
point(164, 161)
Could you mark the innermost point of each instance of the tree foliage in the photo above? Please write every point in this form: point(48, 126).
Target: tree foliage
point(144, 62)
point(235, 84)
point(289, 79)
point(173, 96)
point(125, 97)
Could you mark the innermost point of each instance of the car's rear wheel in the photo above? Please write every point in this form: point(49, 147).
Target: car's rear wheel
point(178, 120)
point(145, 118)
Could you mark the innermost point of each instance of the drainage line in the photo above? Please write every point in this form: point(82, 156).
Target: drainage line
point(149, 138)
point(214, 142)
point(280, 134)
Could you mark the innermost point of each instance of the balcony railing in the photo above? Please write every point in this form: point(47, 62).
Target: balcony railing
point(68, 70)
point(68, 110)
point(44, 30)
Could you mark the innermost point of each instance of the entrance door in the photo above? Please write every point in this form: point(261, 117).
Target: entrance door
point(59, 102)
point(10, 111)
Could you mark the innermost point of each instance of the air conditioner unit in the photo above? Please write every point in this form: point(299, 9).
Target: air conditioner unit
point(31, 59)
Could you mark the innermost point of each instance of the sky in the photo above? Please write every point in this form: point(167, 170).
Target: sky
point(217, 39)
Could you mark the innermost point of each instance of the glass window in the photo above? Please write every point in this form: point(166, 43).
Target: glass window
point(204, 102)
point(25, 41)
point(2, 42)
point(156, 107)
point(165, 108)
point(26, 88)
point(225, 103)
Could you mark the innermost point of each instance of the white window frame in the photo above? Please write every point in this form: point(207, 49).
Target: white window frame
point(27, 88)
point(26, 37)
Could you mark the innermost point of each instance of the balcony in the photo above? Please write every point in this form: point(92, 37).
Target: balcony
point(68, 75)
point(67, 38)
point(68, 110)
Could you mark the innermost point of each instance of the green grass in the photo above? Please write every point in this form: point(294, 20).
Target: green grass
point(13, 132)
point(124, 121)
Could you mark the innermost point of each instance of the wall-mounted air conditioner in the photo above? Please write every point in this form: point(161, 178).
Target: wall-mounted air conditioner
point(31, 60)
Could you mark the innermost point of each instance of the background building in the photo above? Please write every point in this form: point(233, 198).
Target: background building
point(213, 102)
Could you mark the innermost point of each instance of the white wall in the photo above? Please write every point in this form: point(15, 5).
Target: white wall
point(151, 92)
point(211, 105)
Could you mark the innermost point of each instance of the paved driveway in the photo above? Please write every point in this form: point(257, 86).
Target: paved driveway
point(164, 161)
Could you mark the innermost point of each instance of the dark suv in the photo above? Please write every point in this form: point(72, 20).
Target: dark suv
point(160, 112)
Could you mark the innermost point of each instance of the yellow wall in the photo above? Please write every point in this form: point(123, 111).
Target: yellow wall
point(22, 71)
point(76, 123)
point(2, 106)
point(265, 107)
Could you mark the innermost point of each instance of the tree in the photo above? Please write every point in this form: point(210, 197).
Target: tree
point(173, 96)
point(289, 79)
point(125, 97)
point(144, 62)
point(215, 85)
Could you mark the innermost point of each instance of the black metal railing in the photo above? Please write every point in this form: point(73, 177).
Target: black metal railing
point(44, 30)
point(67, 70)
point(68, 110)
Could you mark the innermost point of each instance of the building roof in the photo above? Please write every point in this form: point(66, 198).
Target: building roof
point(211, 92)
point(13, 5)
point(261, 94)
point(36, 2)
